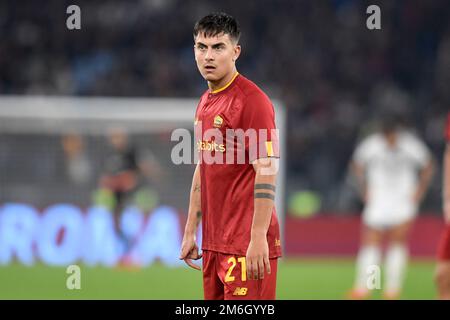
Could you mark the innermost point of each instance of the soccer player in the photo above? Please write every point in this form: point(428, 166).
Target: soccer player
point(120, 175)
point(127, 167)
point(234, 200)
point(443, 265)
point(393, 169)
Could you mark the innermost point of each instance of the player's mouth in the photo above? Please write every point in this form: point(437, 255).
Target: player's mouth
point(210, 68)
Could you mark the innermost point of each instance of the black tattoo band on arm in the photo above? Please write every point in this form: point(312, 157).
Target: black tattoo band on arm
point(199, 214)
point(265, 186)
point(261, 195)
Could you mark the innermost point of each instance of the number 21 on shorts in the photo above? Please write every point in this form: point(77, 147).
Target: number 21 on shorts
point(232, 262)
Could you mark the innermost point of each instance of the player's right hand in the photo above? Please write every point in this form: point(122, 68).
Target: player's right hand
point(189, 252)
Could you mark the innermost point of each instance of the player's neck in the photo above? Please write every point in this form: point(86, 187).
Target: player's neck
point(223, 83)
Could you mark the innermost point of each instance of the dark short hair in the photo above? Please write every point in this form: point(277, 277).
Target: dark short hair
point(216, 23)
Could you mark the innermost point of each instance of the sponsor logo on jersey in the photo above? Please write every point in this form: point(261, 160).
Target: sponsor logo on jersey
point(210, 146)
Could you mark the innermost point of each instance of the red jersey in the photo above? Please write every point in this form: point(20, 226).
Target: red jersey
point(226, 170)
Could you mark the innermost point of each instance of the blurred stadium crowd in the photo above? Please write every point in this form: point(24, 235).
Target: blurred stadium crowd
point(335, 77)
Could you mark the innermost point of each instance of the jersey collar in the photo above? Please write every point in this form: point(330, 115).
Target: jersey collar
point(225, 86)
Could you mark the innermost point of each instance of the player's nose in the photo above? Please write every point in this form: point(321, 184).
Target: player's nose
point(209, 55)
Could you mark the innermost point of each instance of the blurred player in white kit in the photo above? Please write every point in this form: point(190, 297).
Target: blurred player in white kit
point(393, 168)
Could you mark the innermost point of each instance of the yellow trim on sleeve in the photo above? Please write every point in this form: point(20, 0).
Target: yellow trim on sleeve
point(269, 148)
point(227, 85)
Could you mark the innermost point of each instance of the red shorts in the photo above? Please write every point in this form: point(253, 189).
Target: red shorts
point(225, 278)
point(444, 245)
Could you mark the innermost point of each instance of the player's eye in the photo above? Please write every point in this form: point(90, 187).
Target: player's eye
point(201, 47)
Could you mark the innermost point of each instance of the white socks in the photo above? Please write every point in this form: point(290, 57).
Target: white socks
point(395, 266)
point(367, 256)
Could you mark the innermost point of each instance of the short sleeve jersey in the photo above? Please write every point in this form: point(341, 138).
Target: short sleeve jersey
point(233, 127)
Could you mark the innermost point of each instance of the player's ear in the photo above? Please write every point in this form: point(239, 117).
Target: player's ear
point(237, 52)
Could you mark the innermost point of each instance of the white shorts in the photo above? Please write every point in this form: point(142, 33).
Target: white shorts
point(383, 217)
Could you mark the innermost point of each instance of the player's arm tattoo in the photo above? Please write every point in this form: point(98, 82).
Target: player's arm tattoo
point(196, 188)
point(262, 195)
point(198, 217)
point(264, 187)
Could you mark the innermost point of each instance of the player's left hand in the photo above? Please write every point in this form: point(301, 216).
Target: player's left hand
point(257, 258)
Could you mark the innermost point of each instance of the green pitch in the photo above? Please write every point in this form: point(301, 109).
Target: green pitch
point(297, 279)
